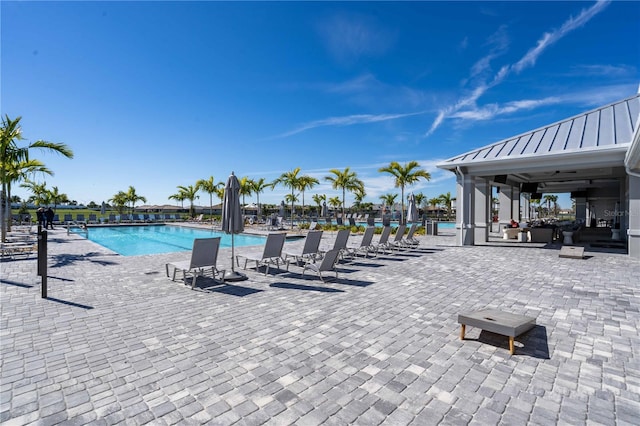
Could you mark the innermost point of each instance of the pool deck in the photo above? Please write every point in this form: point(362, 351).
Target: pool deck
point(117, 342)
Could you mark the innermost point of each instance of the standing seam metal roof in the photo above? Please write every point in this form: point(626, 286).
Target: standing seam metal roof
point(605, 127)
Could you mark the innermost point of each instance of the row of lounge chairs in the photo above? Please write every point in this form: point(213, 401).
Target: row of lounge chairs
point(312, 257)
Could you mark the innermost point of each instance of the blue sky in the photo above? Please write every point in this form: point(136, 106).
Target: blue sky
point(161, 94)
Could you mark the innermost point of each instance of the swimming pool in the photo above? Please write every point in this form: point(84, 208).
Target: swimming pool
point(140, 240)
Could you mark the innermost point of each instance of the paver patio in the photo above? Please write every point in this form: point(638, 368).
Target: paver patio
point(117, 342)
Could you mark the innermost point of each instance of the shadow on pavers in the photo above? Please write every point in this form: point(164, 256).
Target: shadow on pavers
point(533, 343)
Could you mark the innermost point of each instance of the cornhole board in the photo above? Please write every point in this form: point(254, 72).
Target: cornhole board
point(572, 252)
point(499, 322)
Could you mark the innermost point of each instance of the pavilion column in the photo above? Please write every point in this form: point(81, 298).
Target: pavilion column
point(515, 200)
point(482, 210)
point(505, 212)
point(464, 208)
point(581, 209)
point(633, 216)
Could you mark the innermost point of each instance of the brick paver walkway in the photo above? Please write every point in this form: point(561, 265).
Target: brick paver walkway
point(119, 343)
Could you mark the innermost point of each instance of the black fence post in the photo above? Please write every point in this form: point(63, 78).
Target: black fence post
point(42, 260)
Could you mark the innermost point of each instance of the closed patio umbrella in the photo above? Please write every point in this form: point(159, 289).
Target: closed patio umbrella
point(412, 211)
point(103, 209)
point(232, 222)
point(323, 213)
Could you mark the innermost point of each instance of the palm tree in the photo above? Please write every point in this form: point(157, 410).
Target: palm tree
point(405, 175)
point(133, 198)
point(15, 163)
point(335, 202)
point(359, 195)
point(246, 188)
point(420, 200)
point(56, 197)
point(434, 202)
point(306, 182)
point(447, 200)
point(179, 197)
point(388, 199)
point(549, 198)
point(289, 180)
point(345, 180)
point(119, 201)
point(39, 190)
point(189, 193)
point(208, 186)
point(259, 186)
point(319, 199)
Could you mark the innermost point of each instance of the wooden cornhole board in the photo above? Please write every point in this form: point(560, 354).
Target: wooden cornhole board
point(499, 322)
point(572, 252)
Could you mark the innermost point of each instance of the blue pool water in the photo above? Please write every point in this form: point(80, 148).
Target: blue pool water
point(139, 240)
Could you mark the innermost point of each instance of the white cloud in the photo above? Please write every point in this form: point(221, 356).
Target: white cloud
point(348, 120)
point(548, 39)
point(528, 60)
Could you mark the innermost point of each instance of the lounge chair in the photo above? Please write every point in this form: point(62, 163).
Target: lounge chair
point(68, 219)
point(271, 254)
point(365, 246)
point(328, 264)
point(371, 221)
point(352, 221)
point(93, 219)
point(310, 250)
point(340, 243)
point(383, 242)
point(203, 256)
point(80, 218)
point(11, 250)
point(410, 241)
point(396, 243)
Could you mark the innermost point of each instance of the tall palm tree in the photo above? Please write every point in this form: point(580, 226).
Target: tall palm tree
point(420, 199)
point(56, 197)
point(435, 202)
point(15, 163)
point(334, 202)
point(190, 193)
point(358, 195)
point(119, 201)
point(179, 197)
point(319, 199)
point(289, 180)
point(259, 185)
point(133, 198)
point(345, 180)
point(447, 200)
point(208, 186)
point(306, 182)
point(405, 175)
point(550, 198)
point(389, 199)
point(40, 195)
point(246, 188)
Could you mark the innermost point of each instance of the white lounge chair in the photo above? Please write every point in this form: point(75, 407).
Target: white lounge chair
point(310, 250)
point(328, 264)
point(271, 254)
point(203, 256)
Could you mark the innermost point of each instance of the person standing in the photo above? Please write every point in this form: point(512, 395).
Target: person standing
point(49, 216)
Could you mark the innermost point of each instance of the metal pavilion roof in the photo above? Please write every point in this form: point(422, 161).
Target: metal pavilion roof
point(607, 128)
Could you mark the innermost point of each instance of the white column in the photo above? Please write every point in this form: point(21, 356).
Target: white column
point(464, 209)
point(633, 216)
point(515, 200)
point(482, 210)
point(505, 212)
